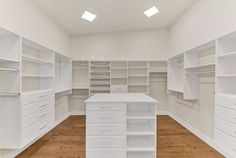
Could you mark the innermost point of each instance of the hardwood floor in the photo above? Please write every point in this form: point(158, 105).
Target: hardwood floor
point(68, 141)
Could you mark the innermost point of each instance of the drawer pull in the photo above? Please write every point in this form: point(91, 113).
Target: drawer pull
point(41, 116)
point(40, 129)
point(43, 96)
point(42, 106)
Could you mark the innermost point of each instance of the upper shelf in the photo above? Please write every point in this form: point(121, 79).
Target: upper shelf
point(204, 67)
point(35, 60)
point(2, 59)
point(228, 55)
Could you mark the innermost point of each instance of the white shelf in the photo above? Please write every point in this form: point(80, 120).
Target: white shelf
point(138, 85)
point(210, 66)
point(231, 75)
point(9, 69)
point(38, 76)
point(35, 60)
point(138, 67)
point(2, 59)
point(140, 133)
point(228, 55)
point(9, 94)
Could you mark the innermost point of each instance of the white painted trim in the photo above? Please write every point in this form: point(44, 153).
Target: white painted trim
point(199, 134)
point(77, 113)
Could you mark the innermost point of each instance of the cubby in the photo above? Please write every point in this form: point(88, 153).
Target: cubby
point(80, 74)
point(176, 73)
point(63, 73)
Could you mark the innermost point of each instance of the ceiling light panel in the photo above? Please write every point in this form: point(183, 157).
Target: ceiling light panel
point(88, 16)
point(151, 11)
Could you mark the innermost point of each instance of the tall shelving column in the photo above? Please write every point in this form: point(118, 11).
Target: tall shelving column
point(100, 77)
point(119, 76)
point(141, 130)
point(225, 98)
point(10, 89)
point(138, 77)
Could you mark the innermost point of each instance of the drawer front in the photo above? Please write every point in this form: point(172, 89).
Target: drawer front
point(226, 114)
point(31, 119)
point(34, 97)
point(106, 130)
point(106, 142)
point(34, 131)
point(227, 101)
point(227, 142)
point(225, 126)
point(105, 117)
point(106, 107)
point(105, 153)
point(36, 106)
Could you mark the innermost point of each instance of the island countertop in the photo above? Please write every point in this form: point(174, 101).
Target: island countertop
point(121, 98)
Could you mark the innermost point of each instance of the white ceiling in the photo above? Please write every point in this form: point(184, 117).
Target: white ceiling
point(112, 15)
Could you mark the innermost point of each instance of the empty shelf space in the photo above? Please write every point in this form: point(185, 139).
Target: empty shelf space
point(35, 60)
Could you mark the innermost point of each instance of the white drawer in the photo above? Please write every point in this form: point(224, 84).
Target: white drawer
point(34, 131)
point(36, 106)
point(106, 130)
point(227, 142)
point(106, 142)
point(226, 114)
point(106, 107)
point(105, 153)
point(31, 119)
point(225, 126)
point(37, 96)
point(105, 117)
point(227, 101)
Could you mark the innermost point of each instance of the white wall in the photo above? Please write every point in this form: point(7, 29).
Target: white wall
point(140, 45)
point(24, 18)
point(204, 21)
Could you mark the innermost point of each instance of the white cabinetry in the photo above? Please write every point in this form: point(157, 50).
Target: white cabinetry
point(121, 124)
point(225, 98)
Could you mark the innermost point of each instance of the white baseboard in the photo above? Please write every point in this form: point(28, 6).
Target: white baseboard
point(79, 113)
point(162, 113)
point(199, 134)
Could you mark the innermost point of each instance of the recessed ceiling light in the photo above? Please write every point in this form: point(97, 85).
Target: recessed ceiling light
point(88, 16)
point(151, 11)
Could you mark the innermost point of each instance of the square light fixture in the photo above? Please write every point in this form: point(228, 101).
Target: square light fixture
point(151, 11)
point(88, 16)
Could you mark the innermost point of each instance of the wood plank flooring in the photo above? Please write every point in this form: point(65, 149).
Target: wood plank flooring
point(68, 141)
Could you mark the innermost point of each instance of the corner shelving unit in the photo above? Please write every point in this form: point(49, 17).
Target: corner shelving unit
point(100, 72)
point(138, 77)
point(198, 61)
point(37, 67)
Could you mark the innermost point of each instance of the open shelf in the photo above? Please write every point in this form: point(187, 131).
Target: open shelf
point(9, 69)
point(9, 94)
point(2, 59)
point(35, 60)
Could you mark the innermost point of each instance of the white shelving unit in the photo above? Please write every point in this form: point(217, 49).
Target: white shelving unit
point(185, 69)
point(63, 73)
point(26, 95)
point(80, 74)
point(198, 61)
point(37, 67)
point(100, 80)
point(138, 77)
point(119, 73)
